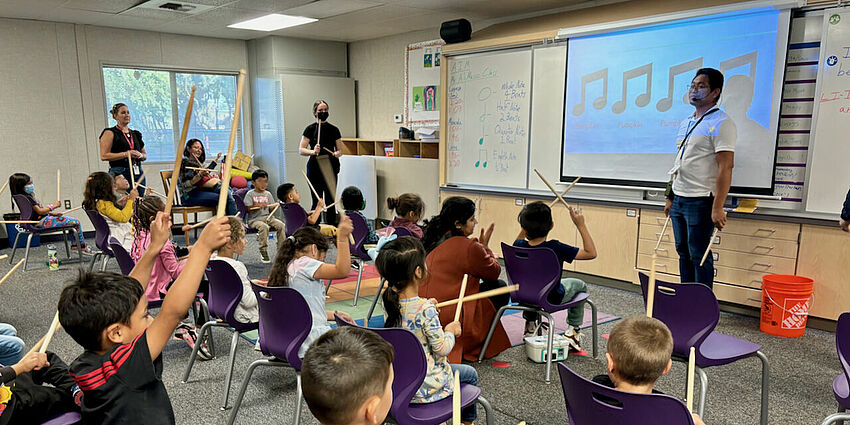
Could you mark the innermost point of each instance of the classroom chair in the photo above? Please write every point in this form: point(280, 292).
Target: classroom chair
point(285, 322)
point(840, 386)
point(537, 271)
point(589, 403)
point(359, 255)
point(178, 207)
point(225, 293)
point(410, 366)
point(691, 312)
point(122, 257)
point(27, 213)
point(67, 418)
point(101, 238)
point(239, 199)
point(400, 231)
point(294, 217)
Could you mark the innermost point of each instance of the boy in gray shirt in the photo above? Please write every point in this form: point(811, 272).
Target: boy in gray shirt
point(258, 201)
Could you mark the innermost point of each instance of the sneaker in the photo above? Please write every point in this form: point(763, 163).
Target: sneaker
point(204, 351)
point(265, 254)
point(187, 334)
point(531, 328)
point(355, 265)
point(573, 335)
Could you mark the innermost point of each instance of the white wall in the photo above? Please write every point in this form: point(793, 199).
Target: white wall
point(53, 106)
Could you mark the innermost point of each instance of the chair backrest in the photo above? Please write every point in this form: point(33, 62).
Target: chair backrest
point(285, 322)
point(535, 270)
point(842, 343)
point(165, 176)
point(361, 231)
point(589, 403)
point(125, 262)
point(409, 366)
point(690, 310)
point(239, 199)
point(294, 217)
point(402, 231)
point(225, 291)
point(25, 207)
point(101, 230)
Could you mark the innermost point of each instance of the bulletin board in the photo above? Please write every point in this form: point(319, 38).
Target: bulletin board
point(422, 83)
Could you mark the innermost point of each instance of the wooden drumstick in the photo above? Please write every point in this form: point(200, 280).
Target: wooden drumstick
point(132, 174)
point(663, 229)
point(9, 273)
point(19, 221)
point(313, 189)
point(329, 151)
point(460, 297)
point(327, 207)
point(225, 177)
point(557, 196)
point(5, 185)
point(650, 288)
point(480, 295)
point(456, 399)
point(72, 210)
point(689, 394)
point(708, 248)
point(564, 193)
point(47, 338)
point(178, 160)
point(139, 182)
point(271, 214)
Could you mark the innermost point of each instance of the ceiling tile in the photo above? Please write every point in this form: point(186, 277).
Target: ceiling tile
point(327, 8)
point(221, 17)
point(269, 5)
point(103, 6)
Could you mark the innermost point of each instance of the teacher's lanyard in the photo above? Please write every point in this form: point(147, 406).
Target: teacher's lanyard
point(129, 138)
point(688, 134)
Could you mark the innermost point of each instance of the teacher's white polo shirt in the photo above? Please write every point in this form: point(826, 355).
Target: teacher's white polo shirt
point(697, 167)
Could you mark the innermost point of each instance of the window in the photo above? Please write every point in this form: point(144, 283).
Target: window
point(157, 101)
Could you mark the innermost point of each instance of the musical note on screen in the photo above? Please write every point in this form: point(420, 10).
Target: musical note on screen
point(746, 59)
point(600, 101)
point(666, 103)
point(643, 98)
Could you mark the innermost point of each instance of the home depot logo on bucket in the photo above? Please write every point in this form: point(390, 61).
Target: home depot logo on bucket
point(797, 312)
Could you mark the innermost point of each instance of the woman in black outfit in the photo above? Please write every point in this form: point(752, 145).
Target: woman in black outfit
point(116, 141)
point(314, 148)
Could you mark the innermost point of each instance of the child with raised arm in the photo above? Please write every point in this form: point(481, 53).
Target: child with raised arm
point(258, 201)
point(337, 393)
point(639, 350)
point(402, 263)
point(120, 371)
point(300, 264)
point(536, 222)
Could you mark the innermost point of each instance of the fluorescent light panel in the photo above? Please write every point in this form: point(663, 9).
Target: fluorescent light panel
point(272, 22)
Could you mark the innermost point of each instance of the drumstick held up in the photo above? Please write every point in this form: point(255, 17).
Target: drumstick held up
point(546, 182)
point(178, 160)
point(47, 338)
point(460, 297)
point(689, 394)
point(139, 181)
point(564, 193)
point(480, 295)
point(5, 185)
point(225, 177)
point(132, 174)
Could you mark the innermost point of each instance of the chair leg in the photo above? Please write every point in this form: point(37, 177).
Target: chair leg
point(186, 233)
point(594, 326)
point(374, 302)
point(210, 340)
point(244, 386)
point(488, 409)
point(359, 278)
point(105, 261)
point(549, 341)
point(233, 341)
point(79, 245)
point(93, 260)
point(68, 248)
point(328, 286)
point(703, 390)
point(27, 252)
point(836, 418)
point(492, 329)
point(765, 382)
point(300, 401)
point(207, 327)
point(14, 248)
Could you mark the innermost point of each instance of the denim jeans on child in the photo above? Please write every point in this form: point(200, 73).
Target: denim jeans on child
point(11, 347)
point(560, 294)
point(468, 375)
point(692, 227)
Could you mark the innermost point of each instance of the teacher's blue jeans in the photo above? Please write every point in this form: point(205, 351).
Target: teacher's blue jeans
point(692, 228)
point(11, 347)
point(209, 198)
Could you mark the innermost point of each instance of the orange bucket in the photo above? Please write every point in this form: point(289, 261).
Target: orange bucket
point(785, 301)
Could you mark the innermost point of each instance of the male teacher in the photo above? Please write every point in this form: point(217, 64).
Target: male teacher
point(701, 176)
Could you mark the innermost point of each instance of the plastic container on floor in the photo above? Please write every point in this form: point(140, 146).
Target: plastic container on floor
point(785, 303)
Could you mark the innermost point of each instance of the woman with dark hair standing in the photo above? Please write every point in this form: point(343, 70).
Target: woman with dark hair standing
point(198, 187)
point(116, 141)
point(314, 148)
point(451, 254)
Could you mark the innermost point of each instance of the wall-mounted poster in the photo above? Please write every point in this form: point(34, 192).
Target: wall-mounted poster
point(422, 83)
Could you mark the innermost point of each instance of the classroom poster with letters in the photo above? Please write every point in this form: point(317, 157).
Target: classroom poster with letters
point(422, 83)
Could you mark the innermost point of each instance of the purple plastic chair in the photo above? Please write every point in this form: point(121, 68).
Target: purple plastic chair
point(358, 252)
point(537, 271)
point(125, 261)
point(691, 312)
point(589, 403)
point(101, 238)
point(294, 217)
point(25, 207)
point(840, 386)
point(67, 418)
point(239, 199)
point(225, 293)
point(410, 366)
point(285, 322)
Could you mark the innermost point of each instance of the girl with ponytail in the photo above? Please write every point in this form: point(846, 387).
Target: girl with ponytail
point(402, 263)
point(300, 264)
point(408, 209)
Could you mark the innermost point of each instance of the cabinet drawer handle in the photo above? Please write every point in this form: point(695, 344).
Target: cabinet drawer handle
point(660, 219)
point(771, 231)
point(769, 248)
point(660, 265)
point(766, 265)
point(660, 249)
point(666, 236)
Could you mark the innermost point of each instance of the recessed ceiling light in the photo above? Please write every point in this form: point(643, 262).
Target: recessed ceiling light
point(272, 22)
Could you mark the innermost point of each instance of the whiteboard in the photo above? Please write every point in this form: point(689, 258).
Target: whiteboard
point(547, 102)
point(828, 176)
point(359, 171)
point(489, 97)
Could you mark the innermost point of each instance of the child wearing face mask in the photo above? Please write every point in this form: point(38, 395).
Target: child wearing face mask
point(48, 218)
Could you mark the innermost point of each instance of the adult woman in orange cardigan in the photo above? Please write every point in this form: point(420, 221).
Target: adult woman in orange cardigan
point(451, 254)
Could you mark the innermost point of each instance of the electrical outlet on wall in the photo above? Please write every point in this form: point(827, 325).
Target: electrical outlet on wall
point(397, 118)
point(67, 204)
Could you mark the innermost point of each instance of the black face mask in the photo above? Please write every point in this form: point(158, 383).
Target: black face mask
point(323, 115)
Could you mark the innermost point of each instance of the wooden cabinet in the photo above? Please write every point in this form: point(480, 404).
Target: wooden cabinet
point(391, 147)
point(614, 232)
point(825, 257)
point(503, 211)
